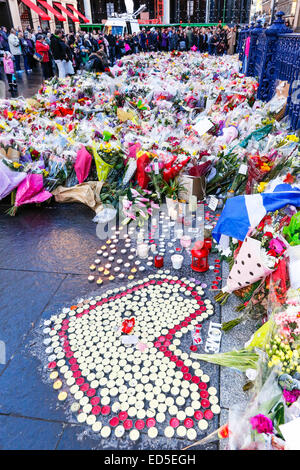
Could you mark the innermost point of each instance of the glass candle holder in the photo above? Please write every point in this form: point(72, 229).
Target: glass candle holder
point(185, 241)
point(177, 261)
point(142, 250)
point(158, 261)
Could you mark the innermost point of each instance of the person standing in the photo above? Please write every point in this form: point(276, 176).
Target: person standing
point(59, 52)
point(15, 49)
point(9, 70)
point(112, 47)
point(189, 37)
point(135, 42)
point(42, 48)
point(164, 40)
point(143, 40)
point(182, 41)
point(231, 37)
point(25, 52)
point(4, 39)
point(170, 40)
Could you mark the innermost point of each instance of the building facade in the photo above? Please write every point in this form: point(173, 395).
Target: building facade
point(266, 9)
point(68, 13)
point(176, 11)
point(44, 14)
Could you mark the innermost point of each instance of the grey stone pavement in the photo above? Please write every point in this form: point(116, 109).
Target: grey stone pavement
point(44, 258)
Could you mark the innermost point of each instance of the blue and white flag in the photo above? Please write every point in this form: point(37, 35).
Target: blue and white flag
point(243, 212)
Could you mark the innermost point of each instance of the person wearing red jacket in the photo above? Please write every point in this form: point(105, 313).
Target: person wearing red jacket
point(42, 48)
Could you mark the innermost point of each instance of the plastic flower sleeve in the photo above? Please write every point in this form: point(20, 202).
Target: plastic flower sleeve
point(83, 164)
point(9, 179)
point(102, 167)
point(31, 190)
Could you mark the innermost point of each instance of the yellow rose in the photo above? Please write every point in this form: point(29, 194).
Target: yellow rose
point(262, 186)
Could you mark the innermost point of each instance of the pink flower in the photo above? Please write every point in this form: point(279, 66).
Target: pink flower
point(126, 204)
point(143, 199)
point(134, 192)
point(149, 210)
point(262, 424)
point(130, 215)
point(277, 245)
point(291, 397)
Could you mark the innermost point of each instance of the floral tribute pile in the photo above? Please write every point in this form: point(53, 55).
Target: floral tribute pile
point(91, 137)
point(172, 127)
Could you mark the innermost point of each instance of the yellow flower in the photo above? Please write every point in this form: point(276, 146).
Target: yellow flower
point(275, 360)
point(292, 138)
point(261, 187)
point(265, 167)
point(45, 173)
point(16, 165)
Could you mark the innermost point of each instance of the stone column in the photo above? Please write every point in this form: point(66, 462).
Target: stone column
point(52, 21)
point(15, 14)
point(88, 10)
point(166, 18)
point(35, 18)
point(66, 23)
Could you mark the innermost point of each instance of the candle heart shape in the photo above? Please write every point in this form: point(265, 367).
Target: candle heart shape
point(104, 378)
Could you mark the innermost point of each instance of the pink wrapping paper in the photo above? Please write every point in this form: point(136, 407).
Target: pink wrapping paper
point(31, 191)
point(248, 266)
point(83, 164)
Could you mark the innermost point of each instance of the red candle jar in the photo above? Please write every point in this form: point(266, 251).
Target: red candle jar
point(200, 260)
point(158, 261)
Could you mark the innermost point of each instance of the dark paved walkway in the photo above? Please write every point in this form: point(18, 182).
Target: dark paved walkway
point(28, 85)
point(45, 255)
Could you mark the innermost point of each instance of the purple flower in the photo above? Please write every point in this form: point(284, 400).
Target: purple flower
point(291, 396)
point(262, 424)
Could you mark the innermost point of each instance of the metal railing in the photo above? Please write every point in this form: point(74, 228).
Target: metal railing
point(274, 54)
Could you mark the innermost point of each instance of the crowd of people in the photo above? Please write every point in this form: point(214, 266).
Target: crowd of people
point(65, 54)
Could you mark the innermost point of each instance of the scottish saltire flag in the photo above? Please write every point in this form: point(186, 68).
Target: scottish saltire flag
point(243, 212)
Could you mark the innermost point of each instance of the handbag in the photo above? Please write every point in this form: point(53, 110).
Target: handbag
point(38, 57)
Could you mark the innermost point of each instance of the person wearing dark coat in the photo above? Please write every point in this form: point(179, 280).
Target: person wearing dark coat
point(59, 51)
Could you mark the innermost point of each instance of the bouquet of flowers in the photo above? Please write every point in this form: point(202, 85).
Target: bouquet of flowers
point(137, 205)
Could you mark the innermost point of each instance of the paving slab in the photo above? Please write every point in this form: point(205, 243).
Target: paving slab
point(18, 433)
point(24, 295)
point(46, 253)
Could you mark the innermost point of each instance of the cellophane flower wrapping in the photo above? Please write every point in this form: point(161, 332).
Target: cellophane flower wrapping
point(31, 190)
point(83, 164)
point(9, 179)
